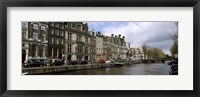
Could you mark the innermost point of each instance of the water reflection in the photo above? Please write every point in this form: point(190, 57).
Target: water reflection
point(135, 69)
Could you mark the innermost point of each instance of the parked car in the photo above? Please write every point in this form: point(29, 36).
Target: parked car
point(57, 62)
point(102, 61)
point(72, 62)
point(32, 63)
point(84, 62)
point(43, 62)
point(35, 62)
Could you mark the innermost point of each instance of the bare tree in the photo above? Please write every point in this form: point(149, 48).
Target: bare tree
point(174, 47)
point(145, 50)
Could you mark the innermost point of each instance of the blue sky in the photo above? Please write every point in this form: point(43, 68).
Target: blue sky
point(155, 34)
point(99, 26)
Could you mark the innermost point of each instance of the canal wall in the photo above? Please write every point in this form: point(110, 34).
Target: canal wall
point(51, 69)
point(65, 68)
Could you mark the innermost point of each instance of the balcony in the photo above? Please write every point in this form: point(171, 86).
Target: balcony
point(79, 42)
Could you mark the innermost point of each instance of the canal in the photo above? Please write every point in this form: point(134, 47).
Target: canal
point(134, 69)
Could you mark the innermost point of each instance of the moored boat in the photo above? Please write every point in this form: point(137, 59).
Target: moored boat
point(119, 63)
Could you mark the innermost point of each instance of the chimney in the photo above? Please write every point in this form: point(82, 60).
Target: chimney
point(119, 35)
point(115, 36)
point(112, 35)
point(123, 37)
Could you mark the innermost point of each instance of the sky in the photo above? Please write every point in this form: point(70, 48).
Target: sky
point(154, 34)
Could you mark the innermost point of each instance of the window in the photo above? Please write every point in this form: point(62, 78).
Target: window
point(52, 31)
point(70, 36)
point(43, 28)
point(79, 38)
point(41, 51)
point(35, 36)
point(80, 49)
point(23, 34)
point(86, 39)
point(56, 41)
point(79, 27)
point(76, 49)
point(73, 25)
point(57, 32)
point(35, 26)
point(34, 50)
point(52, 24)
point(42, 37)
point(61, 33)
point(86, 50)
point(52, 40)
point(57, 25)
point(66, 24)
point(69, 49)
point(24, 24)
point(61, 41)
point(61, 26)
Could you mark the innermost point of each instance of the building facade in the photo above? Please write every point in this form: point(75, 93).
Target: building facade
point(107, 54)
point(137, 54)
point(93, 45)
point(70, 41)
point(117, 46)
point(99, 46)
point(56, 40)
point(34, 40)
point(77, 41)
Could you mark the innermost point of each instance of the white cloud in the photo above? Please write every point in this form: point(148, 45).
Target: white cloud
point(156, 34)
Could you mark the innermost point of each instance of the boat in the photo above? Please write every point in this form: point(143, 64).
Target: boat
point(106, 65)
point(119, 63)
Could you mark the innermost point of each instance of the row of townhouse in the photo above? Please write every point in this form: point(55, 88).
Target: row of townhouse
point(69, 41)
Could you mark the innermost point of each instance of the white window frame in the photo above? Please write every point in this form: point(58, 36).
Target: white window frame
point(43, 28)
point(57, 25)
point(35, 26)
point(24, 24)
point(24, 34)
point(52, 40)
point(43, 36)
point(57, 32)
point(52, 31)
point(69, 36)
point(57, 41)
point(35, 35)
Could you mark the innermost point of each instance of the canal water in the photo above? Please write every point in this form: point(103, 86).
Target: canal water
point(134, 69)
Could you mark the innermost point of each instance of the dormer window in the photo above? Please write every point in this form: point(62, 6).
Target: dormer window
point(73, 25)
point(79, 27)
